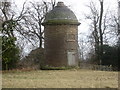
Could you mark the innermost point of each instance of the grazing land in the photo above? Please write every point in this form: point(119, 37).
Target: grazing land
point(60, 79)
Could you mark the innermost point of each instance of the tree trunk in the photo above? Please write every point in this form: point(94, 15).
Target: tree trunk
point(40, 44)
point(96, 38)
point(100, 31)
point(53, 3)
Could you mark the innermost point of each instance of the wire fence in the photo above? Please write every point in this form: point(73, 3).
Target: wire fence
point(96, 67)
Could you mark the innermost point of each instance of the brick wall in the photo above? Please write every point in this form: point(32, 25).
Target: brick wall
point(59, 39)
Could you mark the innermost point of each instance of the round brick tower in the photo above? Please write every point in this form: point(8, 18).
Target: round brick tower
point(61, 37)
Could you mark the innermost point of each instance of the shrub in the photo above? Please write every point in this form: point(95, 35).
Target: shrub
point(10, 53)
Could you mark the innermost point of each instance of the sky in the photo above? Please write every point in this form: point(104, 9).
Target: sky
point(79, 8)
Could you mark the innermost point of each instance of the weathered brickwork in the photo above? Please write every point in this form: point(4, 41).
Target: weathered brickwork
point(61, 39)
point(57, 44)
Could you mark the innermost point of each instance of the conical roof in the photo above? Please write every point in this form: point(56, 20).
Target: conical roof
point(61, 14)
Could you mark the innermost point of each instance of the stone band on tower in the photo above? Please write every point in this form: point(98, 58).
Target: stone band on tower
point(61, 37)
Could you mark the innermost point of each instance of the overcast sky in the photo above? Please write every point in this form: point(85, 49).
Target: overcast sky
point(79, 8)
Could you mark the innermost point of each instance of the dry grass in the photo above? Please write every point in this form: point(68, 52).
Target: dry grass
point(60, 79)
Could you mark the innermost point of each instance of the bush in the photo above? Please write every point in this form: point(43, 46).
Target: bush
point(10, 53)
point(110, 55)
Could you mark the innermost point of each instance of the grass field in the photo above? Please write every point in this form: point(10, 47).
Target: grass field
point(60, 79)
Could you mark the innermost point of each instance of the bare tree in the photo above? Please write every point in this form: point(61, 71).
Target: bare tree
point(7, 19)
point(117, 22)
point(31, 24)
point(98, 27)
point(27, 22)
point(53, 2)
point(100, 30)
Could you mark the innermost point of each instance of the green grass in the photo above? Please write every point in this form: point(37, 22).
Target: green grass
point(60, 79)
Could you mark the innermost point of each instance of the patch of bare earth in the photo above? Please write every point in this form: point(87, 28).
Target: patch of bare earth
point(60, 79)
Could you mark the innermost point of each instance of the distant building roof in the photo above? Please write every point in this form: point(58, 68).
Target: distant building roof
point(61, 14)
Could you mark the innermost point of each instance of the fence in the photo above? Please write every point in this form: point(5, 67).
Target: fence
point(96, 67)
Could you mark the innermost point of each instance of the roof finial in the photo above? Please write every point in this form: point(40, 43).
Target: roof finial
point(60, 4)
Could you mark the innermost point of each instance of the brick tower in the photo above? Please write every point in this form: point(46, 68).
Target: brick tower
point(61, 37)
